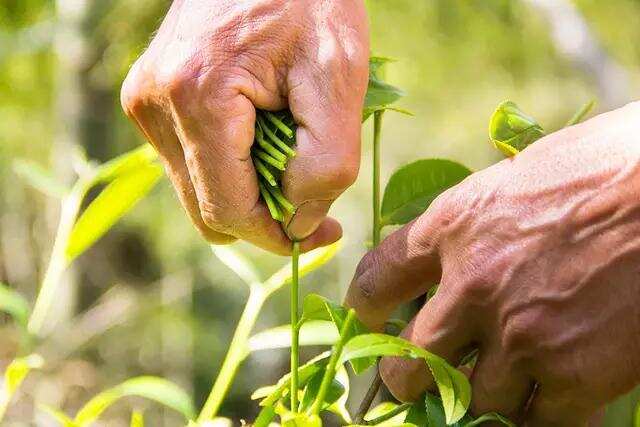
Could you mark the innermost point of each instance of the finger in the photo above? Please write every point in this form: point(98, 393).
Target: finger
point(403, 267)
point(558, 409)
point(499, 387)
point(441, 328)
point(328, 111)
point(158, 130)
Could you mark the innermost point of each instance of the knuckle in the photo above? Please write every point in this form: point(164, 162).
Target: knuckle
point(134, 91)
point(521, 332)
point(218, 218)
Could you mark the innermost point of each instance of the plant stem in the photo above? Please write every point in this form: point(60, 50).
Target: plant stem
point(295, 331)
point(368, 398)
point(398, 410)
point(330, 373)
point(58, 262)
point(377, 130)
point(236, 353)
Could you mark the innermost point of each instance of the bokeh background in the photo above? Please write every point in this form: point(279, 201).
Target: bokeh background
point(150, 298)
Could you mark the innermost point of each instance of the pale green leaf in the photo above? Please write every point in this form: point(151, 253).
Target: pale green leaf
point(153, 388)
point(510, 126)
point(308, 262)
point(15, 373)
point(13, 303)
point(379, 95)
point(111, 204)
point(39, 178)
point(317, 332)
point(581, 113)
point(453, 386)
point(237, 263)
point(413, 187)
point(291, 419)
point(340, 406)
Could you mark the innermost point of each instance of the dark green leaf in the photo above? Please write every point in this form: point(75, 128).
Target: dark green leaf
point(313, 386)
point(453, 386)
point(316, 307)
point(413, 187)
point(511, 130)
point(379, 95)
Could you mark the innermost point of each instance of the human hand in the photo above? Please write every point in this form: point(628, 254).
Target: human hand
point(194, 91)
point(537, 259)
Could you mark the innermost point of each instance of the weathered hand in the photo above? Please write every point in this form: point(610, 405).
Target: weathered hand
point(538, 260)
point(194, 92)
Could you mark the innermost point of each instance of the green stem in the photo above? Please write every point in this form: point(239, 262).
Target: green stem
point(295, 331)
point(279, 124)
point(236, 353)
point(58, 262)
point(396, 411)
point(377, 128)
point(330, 373)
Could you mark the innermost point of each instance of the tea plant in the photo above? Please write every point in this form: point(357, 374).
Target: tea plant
point(321, 384)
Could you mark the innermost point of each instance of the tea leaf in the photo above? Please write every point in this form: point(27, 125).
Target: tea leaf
point(137, 419)
point(317, 332)
point(453, 386)
point(413, 187)
point(110, 205)
point(316, 307)
point(511, 130)
point(266, 415)
point(582, 112)
point(291, 419)
point(14, 375)
point(339, 407)
point(13, 303)
point(238, 263)
point(336, 390)
point(379, 94)
point(386, 410)
point(153, 388)
point(309, 262)
point(126, 163)
point(39, 178)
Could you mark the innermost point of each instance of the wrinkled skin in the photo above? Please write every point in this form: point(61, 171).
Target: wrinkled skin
point(194, 91)
point(539, 263)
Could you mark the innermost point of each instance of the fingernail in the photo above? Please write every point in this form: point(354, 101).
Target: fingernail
point(307, 218)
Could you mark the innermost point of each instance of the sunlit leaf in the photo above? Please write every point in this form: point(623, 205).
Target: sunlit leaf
point(39, 178)
point(383, 410)
point(413, 187)
point(110, 205)
point(137, 419)
point(581, 113)
point(511, 130)
point(317, 332)
point(291, 419)
point(14, 375)
point(13, 303)
point(126, 163)
point(238, 263)
point(308, 262)
point(153, 388)
point(453, 386)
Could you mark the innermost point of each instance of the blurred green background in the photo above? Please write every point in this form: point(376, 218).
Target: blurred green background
point(150, 298)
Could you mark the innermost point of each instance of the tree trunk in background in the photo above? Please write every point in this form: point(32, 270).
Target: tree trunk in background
point(574, 39)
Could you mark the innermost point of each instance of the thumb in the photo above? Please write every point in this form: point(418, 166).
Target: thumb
point(326, 102)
